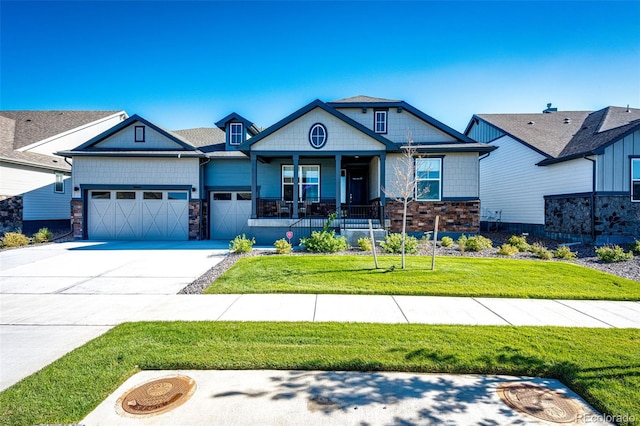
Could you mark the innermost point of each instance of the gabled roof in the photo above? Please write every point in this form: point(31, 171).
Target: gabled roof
point(565, 135)
point(245, 146)
point(362, 101)
point(203, 136)
point(237, 118)
point(90, 146)
point(19, 129)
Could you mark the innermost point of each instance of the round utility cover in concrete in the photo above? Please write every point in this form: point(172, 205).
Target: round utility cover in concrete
point(540, 402)
point(157, 396)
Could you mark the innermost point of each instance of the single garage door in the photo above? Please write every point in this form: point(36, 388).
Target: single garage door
point(138, 215)
point(230, 212)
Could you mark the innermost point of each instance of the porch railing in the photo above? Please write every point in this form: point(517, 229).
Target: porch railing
point(322, 208)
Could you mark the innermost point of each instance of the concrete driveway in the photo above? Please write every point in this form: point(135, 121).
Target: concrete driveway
point(56, 297)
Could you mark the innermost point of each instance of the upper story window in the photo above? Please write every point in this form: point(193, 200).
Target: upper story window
point(380, 121)
point(58, 187)
point(318, 135)
point(428, 179)
point(235, 133)
point(139, 137)
point(635, 179)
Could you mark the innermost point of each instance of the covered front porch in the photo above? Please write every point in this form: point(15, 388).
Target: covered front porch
point(315, 186)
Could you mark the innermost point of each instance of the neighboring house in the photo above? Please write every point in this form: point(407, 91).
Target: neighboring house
point(35, 186)
point(565, 175)
point(236, 178)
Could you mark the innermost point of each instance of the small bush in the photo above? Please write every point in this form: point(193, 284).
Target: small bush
point(540, 251)
point(520, 242)
point(14, 239)
point(564, 252)
point(241, 244)
point(282, 246)
point(446, 242)
point(508, 250)
point(635, 247)
point(43, 236)
point(611, 254)
point(393, 244)
point(324, 242)
point(365, 244)
point(462, 242)
point(478, 243)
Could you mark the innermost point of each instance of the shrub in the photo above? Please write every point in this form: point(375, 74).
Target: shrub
point(324, 242)
point(520, 242)
point(393, 244)
point(478, 243)
point(635, 247)
point(611, 254)
point(241, 244)
point(564, 252)
point(282, 246)
point(14, 239)
point(508, 250)
point(43, 236)
point(462, 242)
point(540, 251)
point(365, 244)
point(446, 242)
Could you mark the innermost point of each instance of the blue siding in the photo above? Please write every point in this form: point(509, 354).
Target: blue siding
point(270, 180)
point(484, 132)
point(614, 166)
point(228, 173)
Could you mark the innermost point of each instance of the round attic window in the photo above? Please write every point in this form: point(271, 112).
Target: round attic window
point(318, 135)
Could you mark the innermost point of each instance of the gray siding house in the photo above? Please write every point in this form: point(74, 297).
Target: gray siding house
point(571, 175)
point(140, 181)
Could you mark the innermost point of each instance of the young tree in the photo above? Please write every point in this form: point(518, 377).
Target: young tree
point(404, 185)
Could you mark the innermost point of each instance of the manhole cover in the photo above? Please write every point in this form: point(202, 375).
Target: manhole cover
point(158, 396)
point(539, 402)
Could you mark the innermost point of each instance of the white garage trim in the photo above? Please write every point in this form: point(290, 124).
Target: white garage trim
point(138, 215)
point(230, 213)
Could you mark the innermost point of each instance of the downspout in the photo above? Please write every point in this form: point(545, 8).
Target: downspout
point(201, 191)
point(593, 197)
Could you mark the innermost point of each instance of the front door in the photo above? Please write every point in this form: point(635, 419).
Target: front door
point(357, 192)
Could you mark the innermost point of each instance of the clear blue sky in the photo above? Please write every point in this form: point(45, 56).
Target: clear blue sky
point(188, 64)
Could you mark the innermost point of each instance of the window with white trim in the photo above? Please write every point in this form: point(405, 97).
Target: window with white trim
point(318, 135)
point(308, 182)
point(235, 133)
point(58, 187)
point(635, 179)
point(428, 179)
point(380, 121)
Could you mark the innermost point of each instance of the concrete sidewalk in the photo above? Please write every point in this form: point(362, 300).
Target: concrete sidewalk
point(62, 322)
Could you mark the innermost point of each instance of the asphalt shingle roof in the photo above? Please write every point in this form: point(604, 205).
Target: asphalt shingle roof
point(22, 128)
point(202, 136)
point(567, 134)
point(362, 99)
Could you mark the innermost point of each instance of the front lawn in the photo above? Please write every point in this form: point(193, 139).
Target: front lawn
point(454, 276)
point(602, 365)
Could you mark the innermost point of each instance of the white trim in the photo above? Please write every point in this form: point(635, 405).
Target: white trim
point(375, 121)
point(300, 166)
point(429, 179)
point(233, 133)
point(59, 181)
point(637, 181)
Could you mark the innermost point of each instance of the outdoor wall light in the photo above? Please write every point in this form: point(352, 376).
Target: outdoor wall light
point(193, 189)
point(75, 188)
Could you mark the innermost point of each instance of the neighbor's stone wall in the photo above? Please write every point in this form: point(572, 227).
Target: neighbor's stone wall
point(77, 219)
point(568, 215)
point(455, 216)
point(11, 208)
point(616, 218)
point(194, 220)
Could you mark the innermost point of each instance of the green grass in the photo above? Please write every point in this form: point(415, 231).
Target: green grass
point(454, 276)
point(602, 365)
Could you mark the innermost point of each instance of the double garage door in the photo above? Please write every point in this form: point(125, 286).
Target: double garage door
point(138, 215)
point(230, 212)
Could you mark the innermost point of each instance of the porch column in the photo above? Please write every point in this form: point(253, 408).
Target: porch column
point(296, 185)
point(338, 186)
point(383, 178)
point(254, 186)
